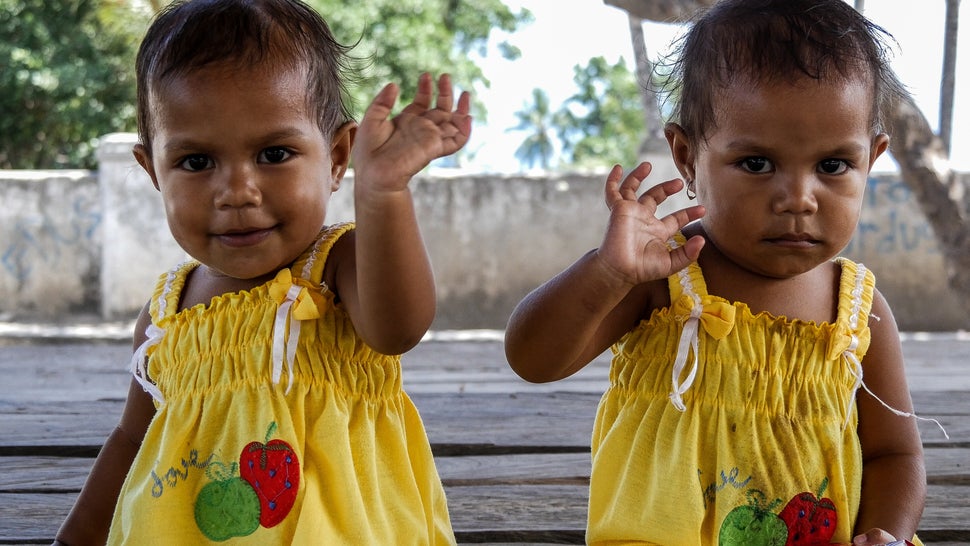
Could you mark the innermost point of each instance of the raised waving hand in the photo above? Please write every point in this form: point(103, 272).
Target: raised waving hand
point(635, 245)
point(389, 151)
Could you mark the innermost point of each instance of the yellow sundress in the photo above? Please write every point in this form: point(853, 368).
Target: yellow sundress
point(754, 443)
point(276, 424)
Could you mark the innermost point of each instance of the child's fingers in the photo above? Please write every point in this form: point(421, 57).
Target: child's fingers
point(446, 96)
point(876, 536)
point(422, 99)
point(464, 103)
point(612, 188)
point(626, 190)
point(630, 185)
point(461, 118)
point(661, 192)
point(380, 107)
point(680, 218)
point(682, 256)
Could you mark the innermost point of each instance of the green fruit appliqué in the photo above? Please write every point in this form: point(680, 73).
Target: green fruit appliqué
point(227, 506)
point(754, 524)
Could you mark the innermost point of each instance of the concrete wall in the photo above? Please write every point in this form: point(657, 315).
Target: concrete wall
point(50, 241)
point(75, 241)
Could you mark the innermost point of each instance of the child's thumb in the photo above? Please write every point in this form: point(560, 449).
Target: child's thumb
point(874, 537)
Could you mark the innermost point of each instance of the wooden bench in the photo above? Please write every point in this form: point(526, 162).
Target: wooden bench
point(514, 457)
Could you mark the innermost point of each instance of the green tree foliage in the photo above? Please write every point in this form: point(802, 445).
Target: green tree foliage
point(67, 67)
point(602, 124)
point(536, 121)
point(66, 79)
point(399, 39)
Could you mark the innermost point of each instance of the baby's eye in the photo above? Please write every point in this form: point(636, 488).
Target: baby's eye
point(274, 155)
point(756, 165)
point(832, 166)
point(196, 162)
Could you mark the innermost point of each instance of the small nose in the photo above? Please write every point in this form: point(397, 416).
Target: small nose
point(238, 188)
point(795, 194)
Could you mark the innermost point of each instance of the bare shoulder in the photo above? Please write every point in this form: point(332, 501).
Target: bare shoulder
point(649, 297)
point(882, 323)
point(139, 335)
point(637, 306)
point(340, 269)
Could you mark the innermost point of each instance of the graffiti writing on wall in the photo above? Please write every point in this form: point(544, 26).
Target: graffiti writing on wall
point(42, 240)
point(892, 221)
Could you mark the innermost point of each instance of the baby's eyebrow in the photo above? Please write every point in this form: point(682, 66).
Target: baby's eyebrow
point(183, 145)
point(282, 134)
point(743, 144)
point(849, 149)
point(751, 146)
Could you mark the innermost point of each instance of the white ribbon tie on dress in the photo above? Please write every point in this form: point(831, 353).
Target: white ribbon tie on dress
point(688, 344)
point(139, 362)
point(285, 340)
point(855, 365)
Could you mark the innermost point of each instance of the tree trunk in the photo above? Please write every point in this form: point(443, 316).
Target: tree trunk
point(949, 72)
point(942, 196)
point(654, 140)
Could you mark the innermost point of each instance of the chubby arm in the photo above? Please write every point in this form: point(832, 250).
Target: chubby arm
point(90, 518)
point(893, 475)
point(565, 323)
point(388, 285)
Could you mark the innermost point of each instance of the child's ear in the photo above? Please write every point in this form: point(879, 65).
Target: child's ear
point(880, 143)
point(341, 143)
point(680, 150)
point(145, 160)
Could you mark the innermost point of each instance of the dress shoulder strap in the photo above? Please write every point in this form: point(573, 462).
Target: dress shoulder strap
point(856, 289)
point(164, 303)
point(688, 281)
point(310, 265)
point(168, 291)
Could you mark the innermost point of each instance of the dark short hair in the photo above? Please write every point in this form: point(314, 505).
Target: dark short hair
point(189, 35)
point(771, 41)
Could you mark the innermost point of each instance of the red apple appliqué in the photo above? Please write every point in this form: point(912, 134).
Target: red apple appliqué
point(811, 519)
point(273, 470)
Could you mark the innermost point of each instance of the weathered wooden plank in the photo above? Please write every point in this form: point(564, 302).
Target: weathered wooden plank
point(67, 474)
point(520, 508)
point(32, 518)
point(494, 513)
point(562, 419)
point(536, 437)
point(947, 510)
point(81, 370)
point(526, 513)
point(531, 468)
point(44, 474)
point(557, 419)
point(39, 474)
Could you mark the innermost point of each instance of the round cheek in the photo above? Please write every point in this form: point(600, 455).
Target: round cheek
point(846, 224)
point(311, 203)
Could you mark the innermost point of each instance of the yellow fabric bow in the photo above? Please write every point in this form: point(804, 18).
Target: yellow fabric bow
point(296, 304)
point(304, 306)
point(717, 316)
point(844, 339)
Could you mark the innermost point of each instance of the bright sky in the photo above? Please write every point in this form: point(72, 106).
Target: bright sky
point(565, 34)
